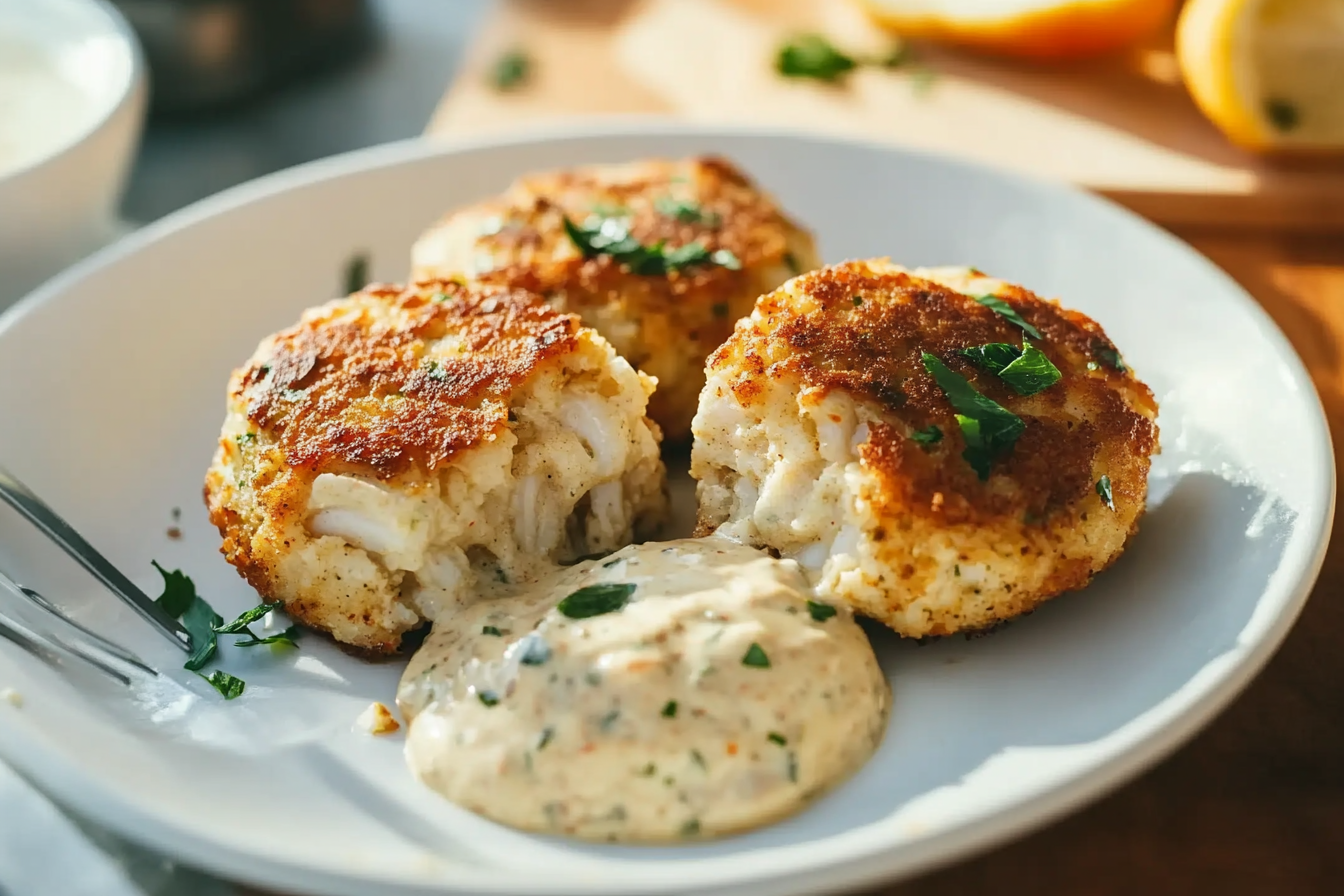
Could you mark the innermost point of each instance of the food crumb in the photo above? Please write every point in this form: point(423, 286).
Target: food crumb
point(12, 697)
point(377, 719)
point(174, 533)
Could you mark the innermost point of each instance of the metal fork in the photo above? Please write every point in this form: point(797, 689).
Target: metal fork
point(36, 511)
point(53, 649)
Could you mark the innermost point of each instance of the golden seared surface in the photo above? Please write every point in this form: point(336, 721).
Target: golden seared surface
point(863, 329)
point(663, 322)
point(827, 382)
point(393, 378)
point(401, 452)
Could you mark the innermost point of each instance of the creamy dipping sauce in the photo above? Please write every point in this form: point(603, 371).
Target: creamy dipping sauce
point(40, 108)
point(711, 697)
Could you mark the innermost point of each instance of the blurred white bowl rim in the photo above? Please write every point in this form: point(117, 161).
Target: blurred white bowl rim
point(72, 105)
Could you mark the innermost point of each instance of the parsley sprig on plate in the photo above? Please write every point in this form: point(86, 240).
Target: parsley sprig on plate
point(180, 600)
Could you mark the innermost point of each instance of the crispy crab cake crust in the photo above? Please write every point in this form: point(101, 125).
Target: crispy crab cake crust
point(405, 389)
point(804, 444)
point(665, 325)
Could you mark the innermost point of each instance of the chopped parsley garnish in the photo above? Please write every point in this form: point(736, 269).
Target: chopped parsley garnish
point(434, 370)
point(776, 738)
point(596, 600)
point(1282, 114)
point(1006, 311)
point(244, 438)
point(691, 828)
point(547, 735)
point(537, 651)
point(648, 771)
point(720, 309)
point(180, 601)
point(698, 759)
point(793, 767)
point(686, 211)
point(725, 258)
point(491, 630)
point(755, 657)
point(1108, 356)
point(239, 625)
point(929, 435)
point(510, 70)
point(670, 709)
point(611, 236)
point(1104, 490)
point(489, 698)
point(356, 272)
point(989, 429)
point(287, 638)
point(820, 611)
point(1027, 370)
point(857, 300)
point(609, 719)
point(813, 56)
point(225, 683)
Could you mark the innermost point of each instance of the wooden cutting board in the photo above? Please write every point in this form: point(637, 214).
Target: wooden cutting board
point(1124, 126)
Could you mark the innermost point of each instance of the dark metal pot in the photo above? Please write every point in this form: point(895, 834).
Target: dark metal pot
point(204, 54)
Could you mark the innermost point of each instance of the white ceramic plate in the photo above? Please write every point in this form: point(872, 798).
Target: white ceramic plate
point(111, 389)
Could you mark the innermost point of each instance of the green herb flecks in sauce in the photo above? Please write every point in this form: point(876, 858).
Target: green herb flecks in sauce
point(596, 600)
point(820, 611)
point(755, 657)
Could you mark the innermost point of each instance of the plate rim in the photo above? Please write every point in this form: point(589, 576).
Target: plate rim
point(1176, 726)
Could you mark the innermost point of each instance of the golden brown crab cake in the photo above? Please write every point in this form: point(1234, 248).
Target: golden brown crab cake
point(845, 425)
point(724, 243)
point(402, 450)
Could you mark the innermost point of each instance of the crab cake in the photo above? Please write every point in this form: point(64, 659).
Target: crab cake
point(940, 450)
point(660, 257)
point(401, 450)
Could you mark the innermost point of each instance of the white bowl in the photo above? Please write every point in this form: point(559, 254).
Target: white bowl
point(72, 103)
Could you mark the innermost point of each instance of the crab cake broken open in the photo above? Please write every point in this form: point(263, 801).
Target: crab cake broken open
point(402, 450)
point(941, 450)
point(660, 257)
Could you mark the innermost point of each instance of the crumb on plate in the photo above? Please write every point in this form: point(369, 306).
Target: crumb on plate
point(377, 719)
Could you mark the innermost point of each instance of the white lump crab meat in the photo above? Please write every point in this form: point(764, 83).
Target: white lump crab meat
point(401, 451)
point(823, 434)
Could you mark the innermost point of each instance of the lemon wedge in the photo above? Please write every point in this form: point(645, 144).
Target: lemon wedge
point(1268, 73)
point(1036, 29)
